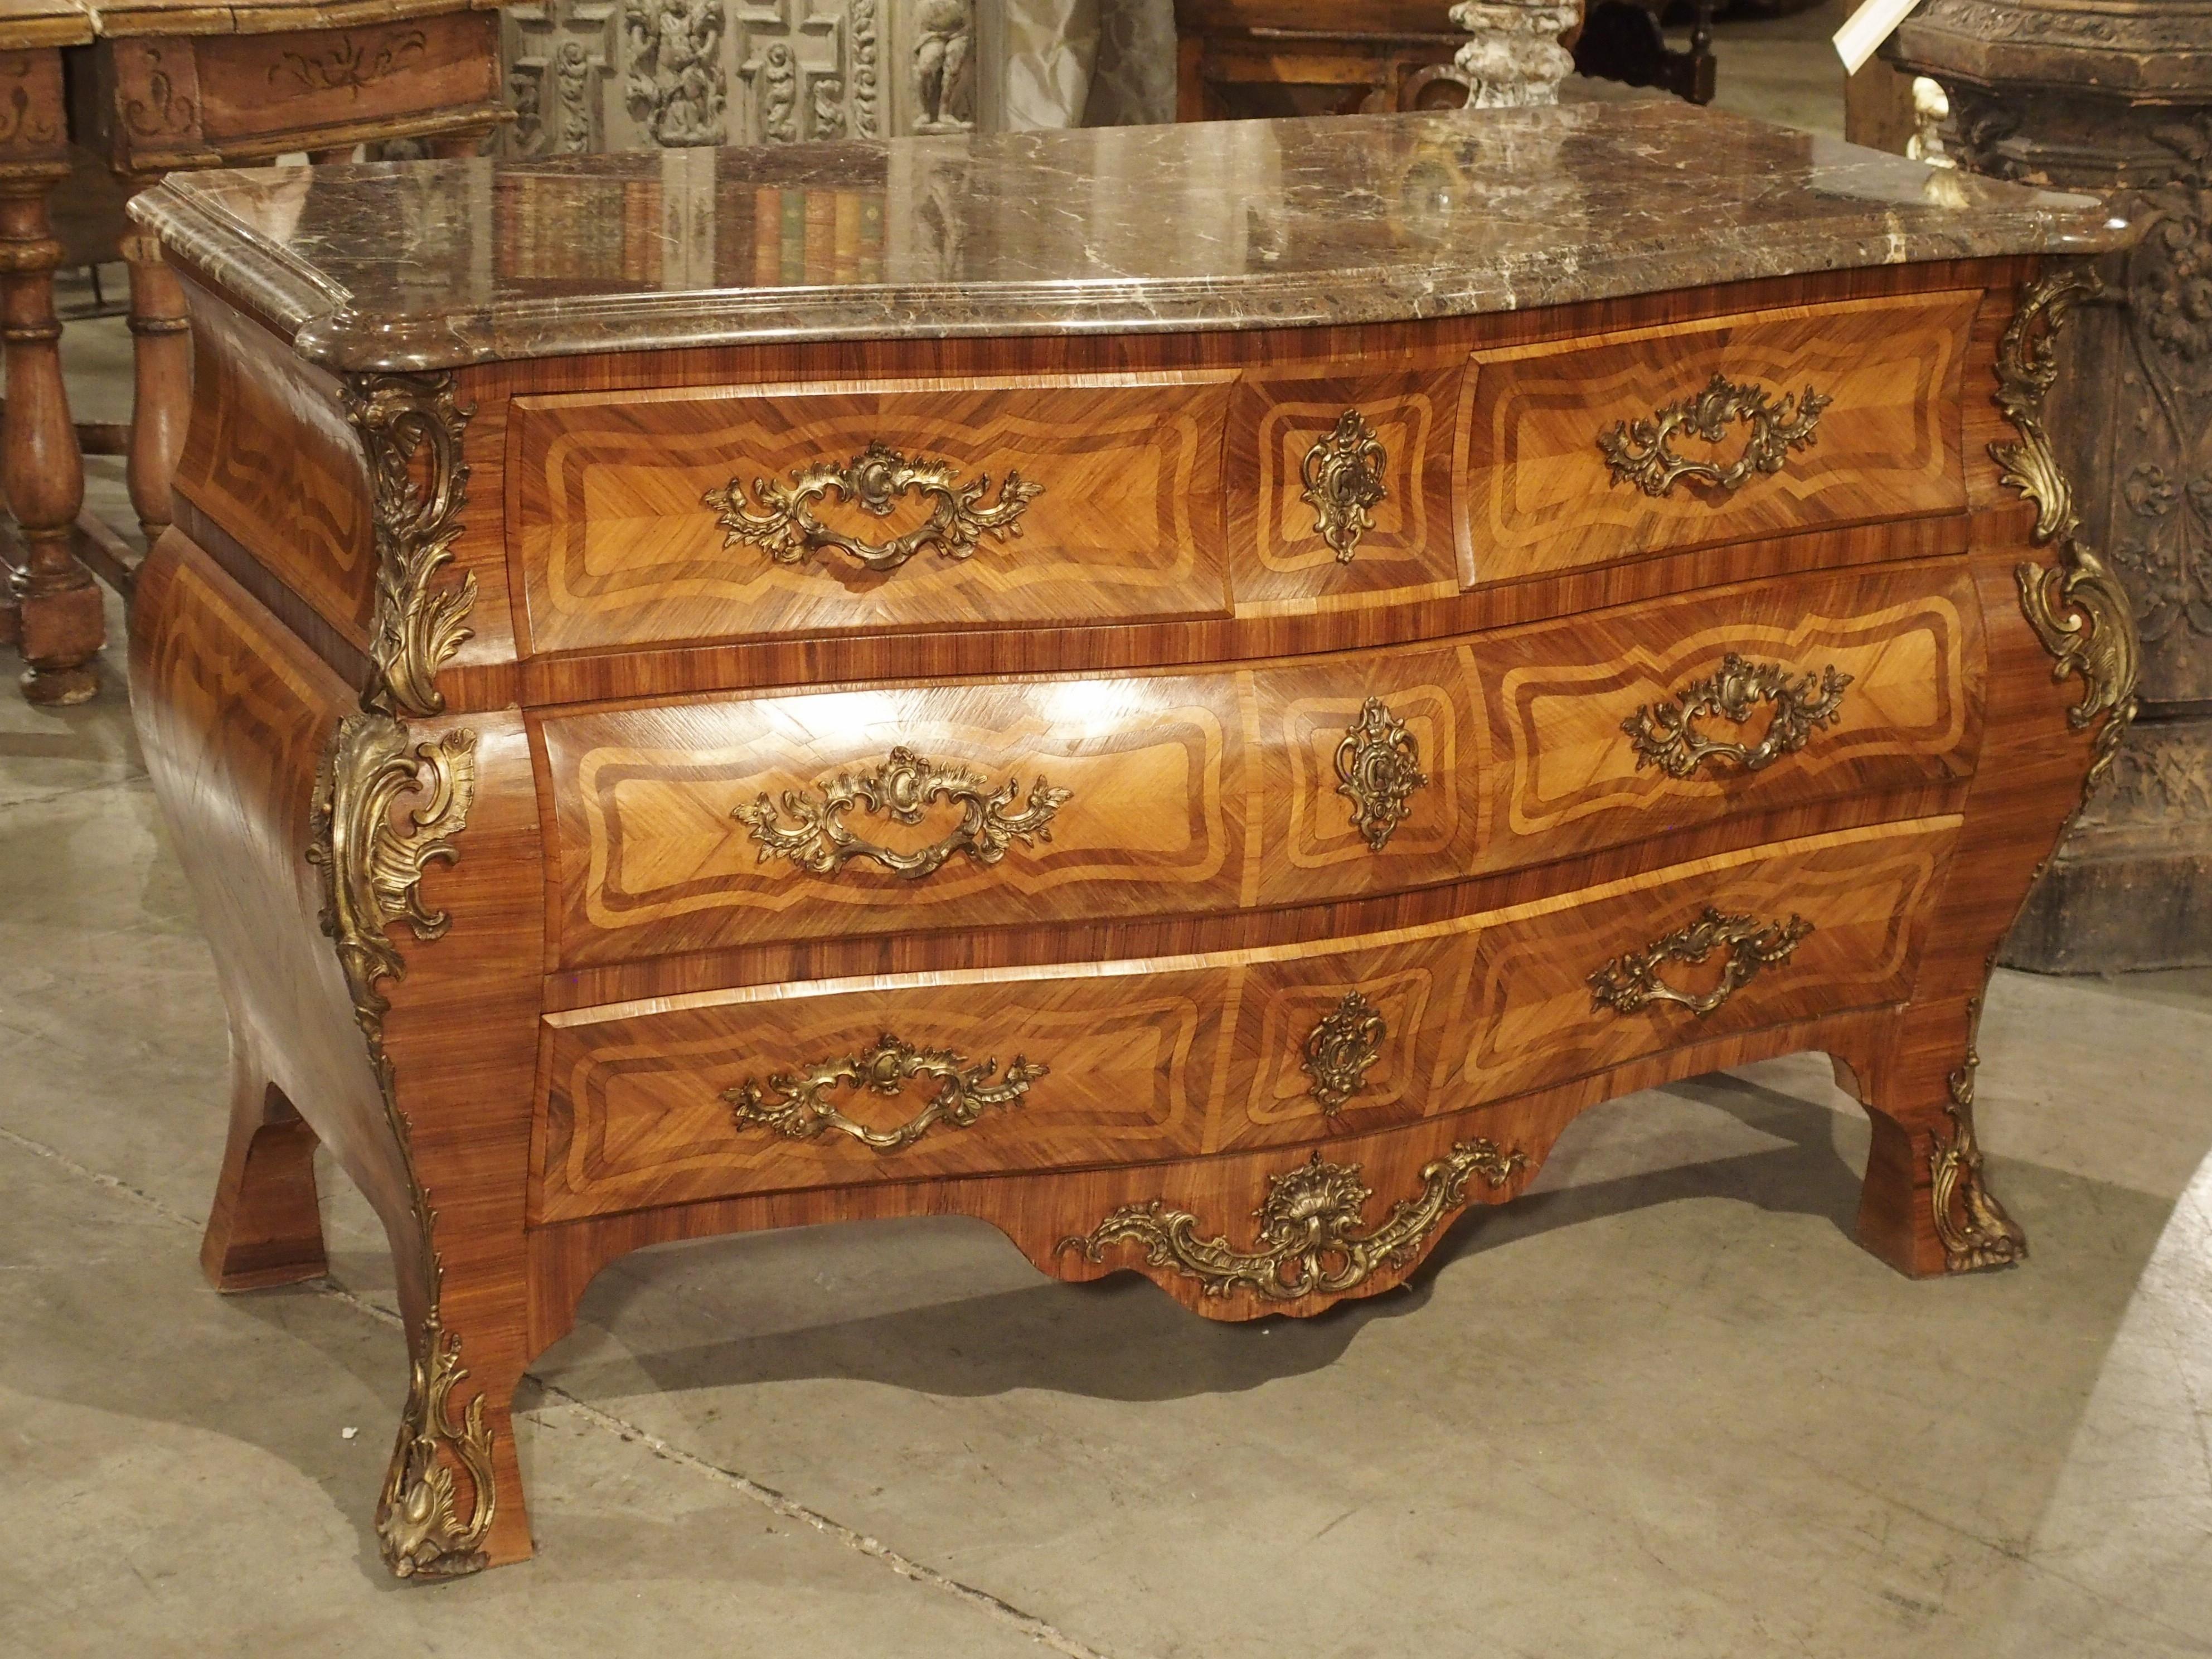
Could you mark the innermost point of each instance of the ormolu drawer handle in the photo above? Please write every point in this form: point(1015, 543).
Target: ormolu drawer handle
point(778, 518)
point(1343, 476)
point(1637, 452)
point(1630, 983)
point(1378, 768)
point(1340, 1049)
point(1663, 735)
point(800, 1108)
point(903, 786)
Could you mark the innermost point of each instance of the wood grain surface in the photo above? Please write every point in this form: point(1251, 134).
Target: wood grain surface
point(616, 547)
point(1216, 793)
point(1182, 1056)
point(1538, 493)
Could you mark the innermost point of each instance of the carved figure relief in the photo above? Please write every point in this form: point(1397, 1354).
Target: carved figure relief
point(944, 54)
point(779, 95)
point(675, 87)
point(827, 117)
point(560, 56)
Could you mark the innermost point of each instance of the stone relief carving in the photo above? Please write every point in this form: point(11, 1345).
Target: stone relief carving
point(675, 84)
point(593, 75)
point(944, 53)
point(560, 56)
point(2165, 547)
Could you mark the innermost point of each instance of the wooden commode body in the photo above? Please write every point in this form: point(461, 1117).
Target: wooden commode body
point(1196, 693)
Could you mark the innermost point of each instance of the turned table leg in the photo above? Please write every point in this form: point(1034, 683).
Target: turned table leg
point(162, 355)
point(62, 624)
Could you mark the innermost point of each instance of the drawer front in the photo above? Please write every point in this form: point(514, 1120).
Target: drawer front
point(836, 1083)
point(754, 820)
point(1339, 489)
point(1580, 453)
point(645, 518)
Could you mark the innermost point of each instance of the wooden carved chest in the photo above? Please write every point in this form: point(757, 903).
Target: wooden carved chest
point(1193, 692)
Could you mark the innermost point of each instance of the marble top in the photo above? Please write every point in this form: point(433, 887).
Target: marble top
point(1231, 224)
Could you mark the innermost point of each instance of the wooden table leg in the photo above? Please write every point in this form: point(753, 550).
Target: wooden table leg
point(62, 621)
point(161, 354)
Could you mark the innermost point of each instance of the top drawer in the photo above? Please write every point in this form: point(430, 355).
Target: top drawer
point(1583, 451)
point(648, 518)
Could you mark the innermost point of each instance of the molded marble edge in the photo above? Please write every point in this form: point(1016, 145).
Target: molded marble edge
point(329, 325)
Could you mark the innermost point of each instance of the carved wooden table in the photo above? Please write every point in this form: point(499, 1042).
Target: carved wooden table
point(167, 84)
point(752, 688)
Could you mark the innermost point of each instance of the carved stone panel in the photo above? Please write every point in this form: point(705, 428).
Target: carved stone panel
point(631, 74)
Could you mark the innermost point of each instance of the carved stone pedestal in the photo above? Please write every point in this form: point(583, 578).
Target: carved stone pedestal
point(2051, 91)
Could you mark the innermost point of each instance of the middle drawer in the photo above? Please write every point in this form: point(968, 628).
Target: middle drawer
point(749, 820)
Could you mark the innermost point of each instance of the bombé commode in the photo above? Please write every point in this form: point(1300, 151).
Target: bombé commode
point(1196, 693)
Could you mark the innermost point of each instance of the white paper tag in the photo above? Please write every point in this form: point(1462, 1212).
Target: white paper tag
point(1865, 29)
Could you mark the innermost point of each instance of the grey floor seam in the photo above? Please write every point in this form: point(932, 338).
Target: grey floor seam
point(786, 1508)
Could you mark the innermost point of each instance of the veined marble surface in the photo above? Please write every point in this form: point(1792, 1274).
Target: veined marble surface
point(1241, 224)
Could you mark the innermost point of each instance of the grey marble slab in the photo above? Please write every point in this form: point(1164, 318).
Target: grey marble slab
point(1219, 225)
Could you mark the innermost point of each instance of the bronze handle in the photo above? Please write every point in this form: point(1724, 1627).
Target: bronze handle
point(1638, 452)
point(1339, 1050)
point(1663, 734)
point(778, 518)
point(902, 787)
point(1343, 476)
point(1378, 768)
point(1630, 983)
point(796, 1104)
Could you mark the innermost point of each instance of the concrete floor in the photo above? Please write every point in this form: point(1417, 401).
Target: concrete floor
point(1662, 1407)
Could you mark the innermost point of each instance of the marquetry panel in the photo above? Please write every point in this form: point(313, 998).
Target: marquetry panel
point(270, 457)
point(1282, 560)
point(1150, 1060)
point(1566, 776)
point(634, 1113)
point(1539, 495)
point(1529, 1015)
point(654, 862)
point(1242, 788)
point(617, 547)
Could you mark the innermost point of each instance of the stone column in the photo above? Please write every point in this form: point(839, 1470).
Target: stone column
point(2049, 91)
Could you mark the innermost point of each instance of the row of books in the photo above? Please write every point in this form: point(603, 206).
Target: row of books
point(571, 233)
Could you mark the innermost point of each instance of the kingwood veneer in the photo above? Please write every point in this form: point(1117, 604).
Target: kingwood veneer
point(1196, 693)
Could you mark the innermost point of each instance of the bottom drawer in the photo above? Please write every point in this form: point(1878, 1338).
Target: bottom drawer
point(778, 1086)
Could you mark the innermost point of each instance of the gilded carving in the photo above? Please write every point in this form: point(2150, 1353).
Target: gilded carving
point(902, 788)
point(778, 518)
point(1976, 1231)
point(1641, 452)
point(410, 423)
point(1341, 1049)
point(1307, 1242)
point(1665, 735)
point(386, 809)
point(1630, 982)
point(2076, 606)
point(796, 1104)
point(1379, 768)
point(1343, 473)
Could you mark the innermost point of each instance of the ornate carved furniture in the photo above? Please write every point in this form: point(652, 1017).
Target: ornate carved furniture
point(1205, 750)
point(2120, 99)
point(160, 85)
point(48, 604)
